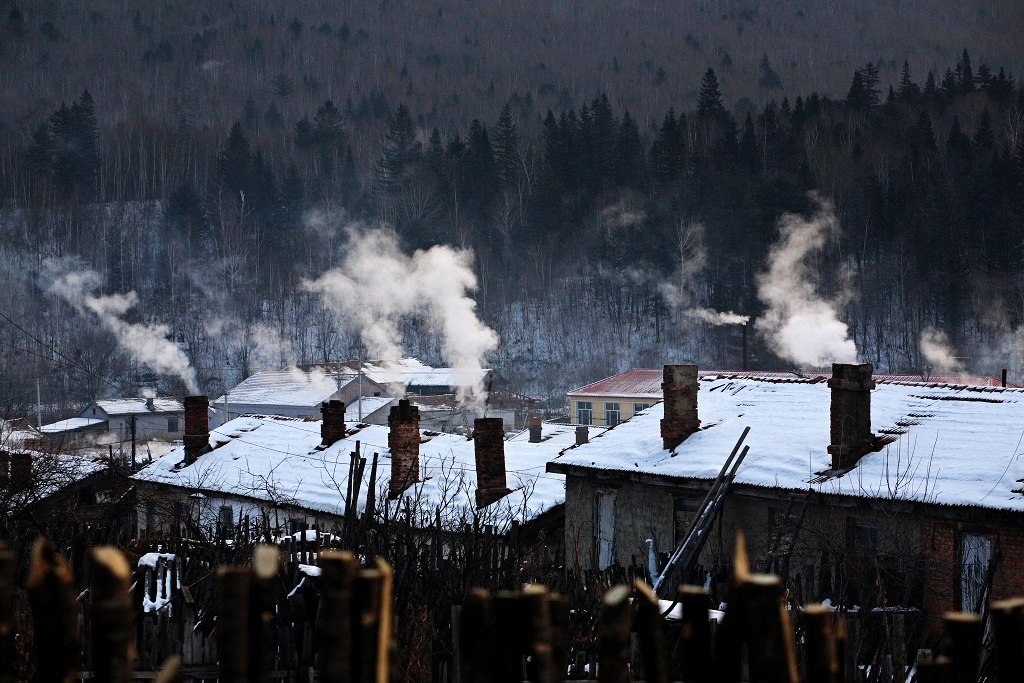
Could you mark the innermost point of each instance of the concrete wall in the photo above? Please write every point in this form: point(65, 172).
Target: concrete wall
point(147, 426)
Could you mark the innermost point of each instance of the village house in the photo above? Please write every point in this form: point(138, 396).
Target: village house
point(617, 398)
point(121, 420)
point(367, 388)
point(866, 492)
point(277, 475)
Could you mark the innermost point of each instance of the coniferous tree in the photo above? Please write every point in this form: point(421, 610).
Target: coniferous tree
point(184, 219)
point(400, 149)
point(709, 97)
point(966, 73)
point(951, 85)
point(41, 151)
point(984, 135)
point(506, 147)
point(481, 172)
point(749, 153)
point(856, 98)
point(908, 88)
point(668, 150)
point(929, 85)
point(602, 143)
point(234, 163)
point(629, 153)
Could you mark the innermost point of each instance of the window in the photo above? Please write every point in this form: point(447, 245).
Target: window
point(637, 407)
point(227, 520)
point(604, 528)
point(584, 412)
point(172, 424)
point(975, 554)
point(612, 414)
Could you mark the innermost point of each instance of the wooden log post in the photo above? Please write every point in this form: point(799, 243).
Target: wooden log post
point(476, 638)
point(537, 622)
point(110, 610)
point(372, 625)
point(821, 662)
point(613, 665)
point(962, 645)
point(1008, 630)
point(233, 623)
point(56, 633)
point(334, 621)
point(650, 627)
point(262, 600)
point(170, 671)
point(509, 637)
point(694, 644)
point(766, 629)
point(7, 651)
point(560, 610)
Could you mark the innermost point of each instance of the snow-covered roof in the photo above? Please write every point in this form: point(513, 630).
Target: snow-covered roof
point(14, 433)
point(410, 372)
point(954, 444)
point(277, 459)
point(72, 424)
point(556, 434)
point(365, 406)
point(646, 382)
point(140, 406)
point(292, 387)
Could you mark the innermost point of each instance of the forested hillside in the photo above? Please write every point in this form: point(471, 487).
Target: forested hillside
point(616, 197)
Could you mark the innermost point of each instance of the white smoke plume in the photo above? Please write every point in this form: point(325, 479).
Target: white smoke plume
point(682, 292)
point(146, 342)
point(938, 351)
point(377, 285)
point(799, 324)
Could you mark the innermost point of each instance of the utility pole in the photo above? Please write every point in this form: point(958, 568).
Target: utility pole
point(360, 400)
point(133, 441)
point(39, 406)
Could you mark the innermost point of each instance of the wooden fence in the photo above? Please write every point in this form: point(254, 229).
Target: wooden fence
point(51, 632)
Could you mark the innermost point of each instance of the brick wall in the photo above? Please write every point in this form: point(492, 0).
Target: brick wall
point(404, 444)
point(489, 449)
point(940, 544)
point(197, 426)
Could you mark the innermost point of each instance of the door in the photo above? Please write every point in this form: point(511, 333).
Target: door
point(604, 528)
point(975, 553)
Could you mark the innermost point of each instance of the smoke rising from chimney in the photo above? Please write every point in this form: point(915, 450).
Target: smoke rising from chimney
point(146, 342)
point(682, 292)
point(799, 324)
point(938, 351)
point(377, 285)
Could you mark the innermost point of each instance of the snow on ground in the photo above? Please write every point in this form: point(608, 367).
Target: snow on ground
point(954, 445)
point(278, 459)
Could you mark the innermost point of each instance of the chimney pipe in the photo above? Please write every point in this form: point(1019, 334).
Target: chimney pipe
point(404, 444)
point(850, 414)
point(149, 405)
point(332, 428)
point(680, 389)
point(489, 446)
point(21, 471)
point(197, 427)
point(1003, 378)
point(535, 429)
point(582, 435)
point(5, 469)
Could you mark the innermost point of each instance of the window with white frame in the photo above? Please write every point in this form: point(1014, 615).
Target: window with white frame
point(612, 414)
point(584, 412)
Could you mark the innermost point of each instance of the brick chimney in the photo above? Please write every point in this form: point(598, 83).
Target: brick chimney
point(197, 427)
point(404, 444)
point(535, 425)
point(680, 388)
point(489, 446)
point(850, 414)
point(21, 471)
point(5, 469)
point(332, 429)
point(582, 435)
point(150, 404)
